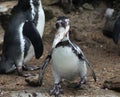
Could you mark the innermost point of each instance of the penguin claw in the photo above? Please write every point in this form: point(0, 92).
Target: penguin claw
point(27, 74)
point(20, 72)
point(30, 68)
point(82, 81)
point(57, 89)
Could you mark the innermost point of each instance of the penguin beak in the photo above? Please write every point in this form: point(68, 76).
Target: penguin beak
point(59, 36)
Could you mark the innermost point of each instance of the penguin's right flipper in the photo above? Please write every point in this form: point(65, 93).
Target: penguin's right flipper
point(44, 66)
point(37, 79)
point(82, 56)
point(30, 31)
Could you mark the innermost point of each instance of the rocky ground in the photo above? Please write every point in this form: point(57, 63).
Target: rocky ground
point(86, 26)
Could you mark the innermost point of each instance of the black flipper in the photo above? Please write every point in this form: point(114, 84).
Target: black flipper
point(44, 66)
point(30, 31)
point(91, 68)
point(116, 31)
point(82, 56)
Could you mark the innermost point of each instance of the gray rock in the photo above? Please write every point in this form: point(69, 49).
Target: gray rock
point(88, 6)
point(3, 8)
point(47, 2)
point(29, 94)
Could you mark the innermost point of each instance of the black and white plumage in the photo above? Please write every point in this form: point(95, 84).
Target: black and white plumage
point(22, 38)
point(68, 61)
point(112, 25)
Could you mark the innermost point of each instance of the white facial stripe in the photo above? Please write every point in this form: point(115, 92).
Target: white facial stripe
point(33, 9)
point(22, 45)
point(66, 20)
point(59, 21)
point(61, 33)
point(63, 30)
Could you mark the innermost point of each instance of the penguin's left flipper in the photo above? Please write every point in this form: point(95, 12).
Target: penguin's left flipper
point(82, 56)
point(30, 31)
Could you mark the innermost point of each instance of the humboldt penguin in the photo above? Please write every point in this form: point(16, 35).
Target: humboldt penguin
point(22, 38)
point(68, 60)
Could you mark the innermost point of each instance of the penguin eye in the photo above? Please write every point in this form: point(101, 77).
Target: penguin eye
point(63, 23)
point(57, 25)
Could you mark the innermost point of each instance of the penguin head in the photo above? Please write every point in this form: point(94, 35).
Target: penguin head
point(109, 13)
point(62, 26)
point(34, 4)
point(62, 22)
point(28, 7)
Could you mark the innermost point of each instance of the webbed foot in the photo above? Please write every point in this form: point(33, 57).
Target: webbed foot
point(30, 68)
point(20, 72)
point(57, 89)
point(82, 81)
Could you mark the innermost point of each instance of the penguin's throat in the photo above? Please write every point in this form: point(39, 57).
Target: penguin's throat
point(65, 31)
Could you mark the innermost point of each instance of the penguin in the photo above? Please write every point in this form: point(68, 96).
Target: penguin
point(68, 60)
point(112, 25)
point(22, 38)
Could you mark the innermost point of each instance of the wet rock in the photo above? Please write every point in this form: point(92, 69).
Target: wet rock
point(29, 94)
point(88, 6)
point(33, 80)
point(48, 14)
point(48, 2)
point(3, 8)
point(81, 9)
point(75, 35)
point(5, 12)
point(112, 84)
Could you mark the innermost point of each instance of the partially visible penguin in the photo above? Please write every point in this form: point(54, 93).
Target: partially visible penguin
point(112, 25)
point(22, 38)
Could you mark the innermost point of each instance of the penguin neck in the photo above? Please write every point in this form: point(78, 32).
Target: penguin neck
point(40, 4)
point(15, 22)
point(66, 37)
point(65, 30)
point(41, 19)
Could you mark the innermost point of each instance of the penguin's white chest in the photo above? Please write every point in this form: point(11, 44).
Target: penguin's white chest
point(41, 21)
point(65, 62)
